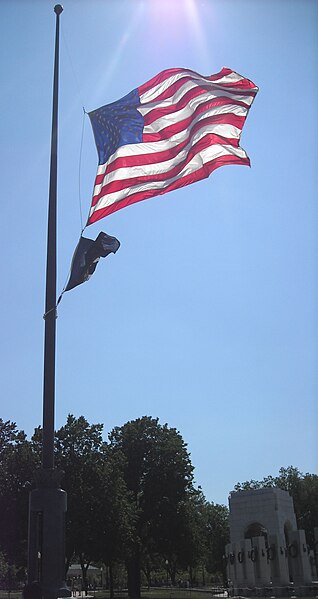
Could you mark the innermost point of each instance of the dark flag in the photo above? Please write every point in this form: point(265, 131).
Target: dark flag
point(87, 255)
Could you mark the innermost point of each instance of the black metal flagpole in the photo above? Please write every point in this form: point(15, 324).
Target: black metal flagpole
point(47, 506)
point(50, 303)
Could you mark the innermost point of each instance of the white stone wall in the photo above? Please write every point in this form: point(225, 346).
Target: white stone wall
point(272, 508)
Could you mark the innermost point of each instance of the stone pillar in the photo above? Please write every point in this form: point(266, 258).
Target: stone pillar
point(299, 558)
point(245, 567)
point(258, 556)
point(240, 579)
point(250, 573)
point(312, 562)
point(316, 547)
point(277, 558)
point(230, 567)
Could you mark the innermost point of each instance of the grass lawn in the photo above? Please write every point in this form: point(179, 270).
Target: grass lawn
point(147, 594)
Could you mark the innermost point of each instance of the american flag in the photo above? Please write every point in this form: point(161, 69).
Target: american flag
point(172, 131)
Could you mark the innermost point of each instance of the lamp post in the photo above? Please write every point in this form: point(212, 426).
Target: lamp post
point(167, 568)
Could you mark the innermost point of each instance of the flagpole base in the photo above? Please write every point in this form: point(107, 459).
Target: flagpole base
point(46, 550)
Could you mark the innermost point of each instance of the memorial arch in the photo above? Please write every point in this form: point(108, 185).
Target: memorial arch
point(266, 547)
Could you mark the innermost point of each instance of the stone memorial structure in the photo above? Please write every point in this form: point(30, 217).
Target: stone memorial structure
point(267, 551)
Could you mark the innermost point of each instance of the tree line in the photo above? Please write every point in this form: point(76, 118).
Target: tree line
point(132, 502)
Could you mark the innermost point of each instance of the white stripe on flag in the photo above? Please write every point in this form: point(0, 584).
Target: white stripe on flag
point(204, 97)
point(226, 131)
point(208, 154)
point(155, 91)
point(180, 115)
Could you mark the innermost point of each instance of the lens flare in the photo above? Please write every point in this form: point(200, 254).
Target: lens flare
point(113, 63)
point(178, 26)
point(195, 23)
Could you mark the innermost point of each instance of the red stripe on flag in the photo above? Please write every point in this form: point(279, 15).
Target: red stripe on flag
point(118, 184)
point(174, 87)
point(171, 90)
point(242, 85)
point(202, 173)
point(159, 79)
point(167, 132)
point(196, 92)
point(156, 157)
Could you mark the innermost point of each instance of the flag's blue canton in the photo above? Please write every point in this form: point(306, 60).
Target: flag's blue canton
point(117, 124)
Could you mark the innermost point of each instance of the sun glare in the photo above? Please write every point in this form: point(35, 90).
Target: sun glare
point(181, 19)
point(118, 51)
point(192, 8)
point(172, 20)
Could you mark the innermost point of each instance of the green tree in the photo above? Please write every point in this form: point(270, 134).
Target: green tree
point(79, 453)
point(17, 463)
point(217, 535)
point(192, 539)
point(158, 474)
point(115, 519)
point(4, 567)
point(205, 533)
point(100, 515)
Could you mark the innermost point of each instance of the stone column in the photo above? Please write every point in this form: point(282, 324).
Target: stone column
point(259, 558)
point(316, 547)
point(299, 558)
point(245, 567)
point(230, 567)
point(277, 557)
point(240, 564)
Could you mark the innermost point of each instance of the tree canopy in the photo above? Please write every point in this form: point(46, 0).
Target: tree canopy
point(158, 474)
point(17, 463)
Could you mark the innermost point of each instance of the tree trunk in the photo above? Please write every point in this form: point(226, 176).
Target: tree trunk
point(173, 572)
point(111, 582)
point(134, 582)
point(147, 572)
point(84, 572)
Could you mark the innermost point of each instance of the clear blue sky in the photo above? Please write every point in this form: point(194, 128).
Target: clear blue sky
point(207, 315)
